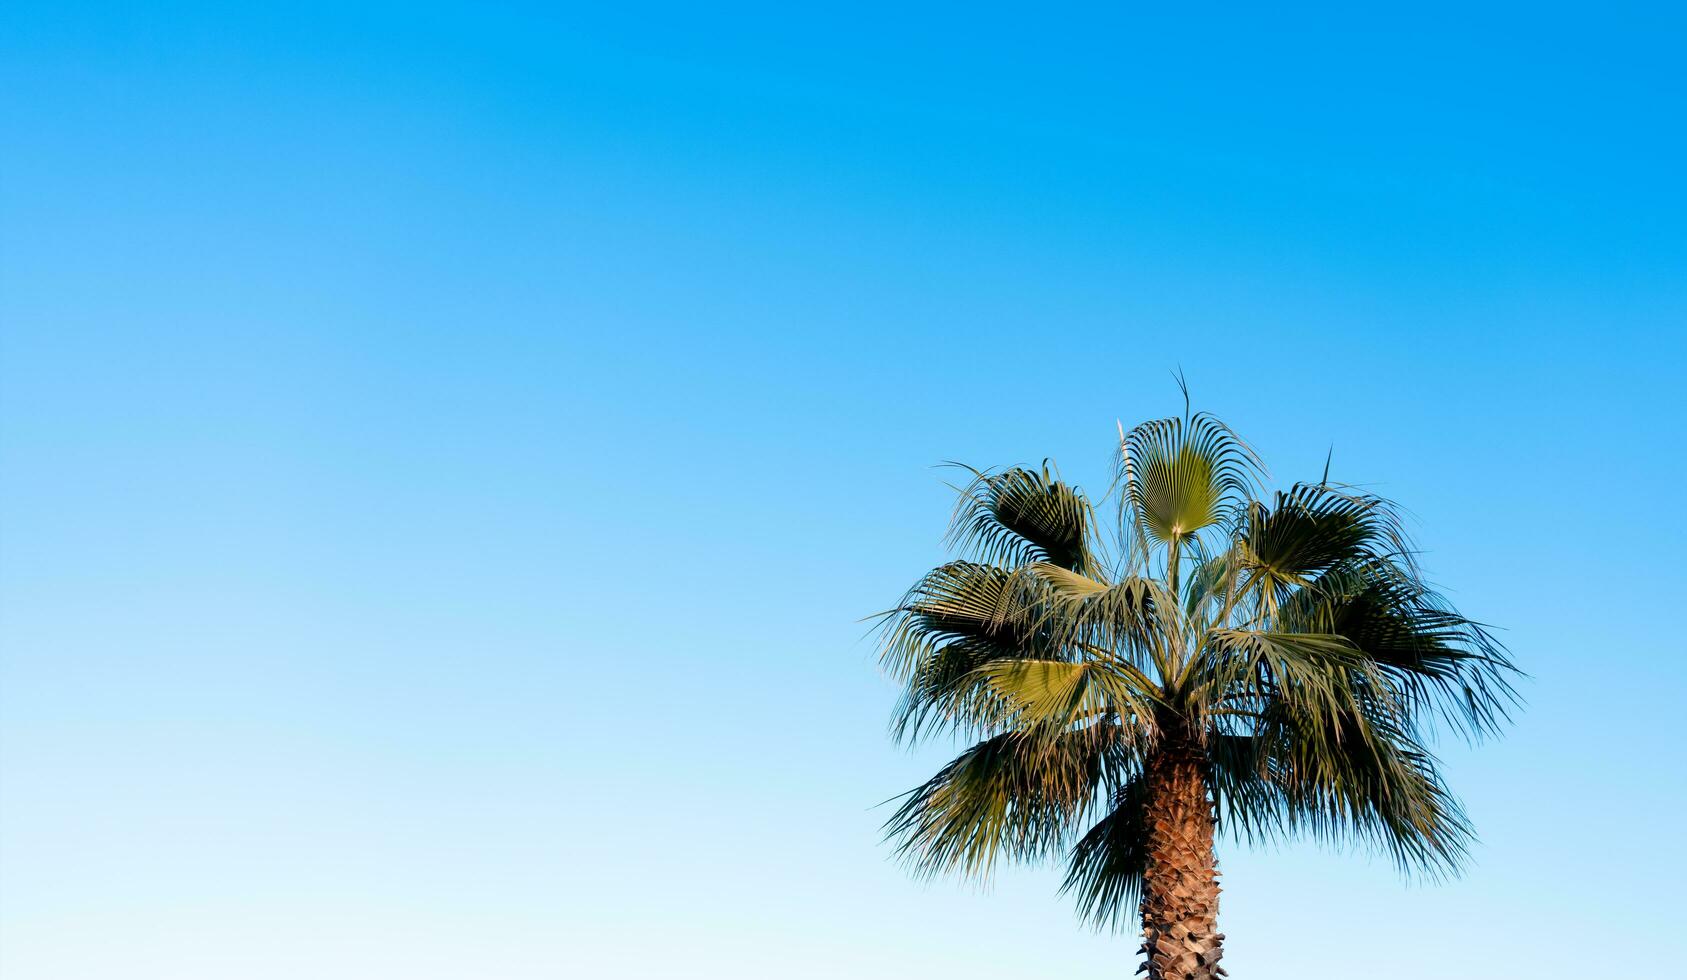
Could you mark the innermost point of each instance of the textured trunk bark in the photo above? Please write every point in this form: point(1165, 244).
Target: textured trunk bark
point(1180, 884)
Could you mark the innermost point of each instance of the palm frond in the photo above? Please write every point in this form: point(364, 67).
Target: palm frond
point(1318, 676)
point(1033, 695)
point(1435, 655)
point(1364, 780)
point(1182, 475)
point(1104, 873)
point(1313, 527)
point(1020, 515)
point(959, 600)
point(1134, 616)
point(1009, 793)
point(959, 617)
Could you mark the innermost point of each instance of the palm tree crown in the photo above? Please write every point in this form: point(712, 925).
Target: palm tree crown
point(1219, 659)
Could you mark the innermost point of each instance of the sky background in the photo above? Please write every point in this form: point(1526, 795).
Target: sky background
point(446, 454)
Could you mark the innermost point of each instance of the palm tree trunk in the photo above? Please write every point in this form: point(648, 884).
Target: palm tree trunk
point(1180, 883)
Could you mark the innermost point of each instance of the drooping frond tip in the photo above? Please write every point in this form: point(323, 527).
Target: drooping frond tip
point(1105, 867)
point(1007, 794)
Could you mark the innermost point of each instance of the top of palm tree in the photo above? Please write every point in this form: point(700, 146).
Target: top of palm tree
point(1289, 638)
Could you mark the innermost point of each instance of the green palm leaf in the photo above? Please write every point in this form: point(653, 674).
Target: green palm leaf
point(1021, 515)
point(1104, 871)
point(1009, 793)
point(1043, 694)
point(1184, 475)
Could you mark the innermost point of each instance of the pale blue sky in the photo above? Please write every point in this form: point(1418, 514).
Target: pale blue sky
point(445, 454)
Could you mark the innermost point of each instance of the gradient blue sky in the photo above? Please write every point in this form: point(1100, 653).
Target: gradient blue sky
point(447, 452)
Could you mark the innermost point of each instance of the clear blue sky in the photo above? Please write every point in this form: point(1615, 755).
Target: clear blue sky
point(447, 452)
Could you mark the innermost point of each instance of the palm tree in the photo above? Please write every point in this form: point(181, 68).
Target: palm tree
point(1262, 664)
